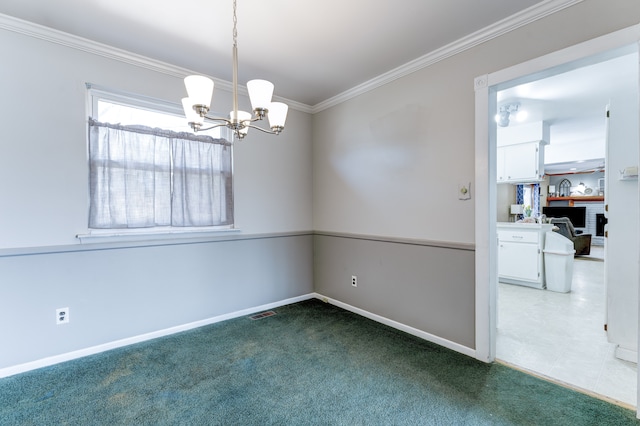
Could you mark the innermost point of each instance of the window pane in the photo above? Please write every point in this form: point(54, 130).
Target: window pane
point(148, 170)
point(130, 179)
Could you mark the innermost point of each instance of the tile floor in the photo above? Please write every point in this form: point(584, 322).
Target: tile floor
point(561, 335)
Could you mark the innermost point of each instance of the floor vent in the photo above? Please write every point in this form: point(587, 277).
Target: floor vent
point(262, 315)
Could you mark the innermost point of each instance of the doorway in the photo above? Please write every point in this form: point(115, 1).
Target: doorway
point(554, 333)
point(487, 88)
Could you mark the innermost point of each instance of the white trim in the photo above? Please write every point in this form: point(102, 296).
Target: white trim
point(168, 240)
point(626, 354)
point(485, 166)
point(97, 92)
point(485, 212)
point(538, 11)
point(486, 89)
point(45, 362)
point(638, 372)
point(410, 241)
point(51, 35)
point(69, 356)
point(151, 234)
point(580, 54)
point(399, 326)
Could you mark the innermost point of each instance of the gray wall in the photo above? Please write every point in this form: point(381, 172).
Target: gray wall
point(44, 168)
point(119, 293)
point(387, 163)
point(430, 283)
point(124, 291)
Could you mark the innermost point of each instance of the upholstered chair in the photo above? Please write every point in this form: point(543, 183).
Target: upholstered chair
point(581, 242)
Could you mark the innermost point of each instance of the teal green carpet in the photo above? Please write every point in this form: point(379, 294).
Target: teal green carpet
point(311, 364)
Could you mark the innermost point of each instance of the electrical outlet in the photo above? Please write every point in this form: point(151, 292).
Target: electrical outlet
point(354, 280)
point(62, 316)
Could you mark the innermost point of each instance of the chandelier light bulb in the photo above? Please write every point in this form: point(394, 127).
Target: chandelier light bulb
point(200, 90)
point(189, 112)
point(260, 93)
point(277, 115)
point(243, 116)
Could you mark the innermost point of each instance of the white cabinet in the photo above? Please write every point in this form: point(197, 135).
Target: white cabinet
point(512, 267)
point(521, 163)
point(520, 253)
point(520, 152)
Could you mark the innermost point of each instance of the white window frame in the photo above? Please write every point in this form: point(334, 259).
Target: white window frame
point(96, 93)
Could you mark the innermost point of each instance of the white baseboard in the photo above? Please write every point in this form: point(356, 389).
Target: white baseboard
point(45, 362)
point(626, 354)
point(399, 326)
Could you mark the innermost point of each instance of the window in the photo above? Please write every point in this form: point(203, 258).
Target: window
point(148, 170)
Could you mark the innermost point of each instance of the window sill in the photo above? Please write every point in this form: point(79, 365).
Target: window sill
point(124, 235)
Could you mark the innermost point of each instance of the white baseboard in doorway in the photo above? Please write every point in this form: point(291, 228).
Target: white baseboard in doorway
point(626, 354)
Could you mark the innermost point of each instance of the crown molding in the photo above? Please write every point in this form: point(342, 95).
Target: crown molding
point(534, 13)
point(51, 35)
point(504, 26)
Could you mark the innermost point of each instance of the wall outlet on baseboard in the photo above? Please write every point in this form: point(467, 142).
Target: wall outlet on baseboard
point(62, 316)
point(354, 280)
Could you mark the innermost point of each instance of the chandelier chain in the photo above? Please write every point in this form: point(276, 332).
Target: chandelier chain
point(235, 117)
point(235, 25)
point(200, 89)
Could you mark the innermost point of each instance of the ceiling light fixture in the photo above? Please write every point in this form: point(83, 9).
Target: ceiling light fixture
point(200, 91)
point(522, 115)
point(503, 115)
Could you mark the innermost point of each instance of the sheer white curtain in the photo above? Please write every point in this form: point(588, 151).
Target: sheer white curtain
point(201, 184)
point(142, 177)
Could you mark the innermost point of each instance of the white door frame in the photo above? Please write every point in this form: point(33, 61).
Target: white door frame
point(486, 88)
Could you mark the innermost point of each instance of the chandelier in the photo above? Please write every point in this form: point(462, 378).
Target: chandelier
point(200, 92)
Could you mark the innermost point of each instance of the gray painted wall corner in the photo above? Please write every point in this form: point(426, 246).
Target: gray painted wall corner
point(426, 287)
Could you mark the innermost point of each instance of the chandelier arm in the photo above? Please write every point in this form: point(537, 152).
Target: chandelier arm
point(251, 126)
point(202, 129)
point(254, 119)
point(212, 118)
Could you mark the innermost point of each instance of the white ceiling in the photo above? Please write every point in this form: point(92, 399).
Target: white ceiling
point(573, 103)
point(310, 50)
point(313, 51)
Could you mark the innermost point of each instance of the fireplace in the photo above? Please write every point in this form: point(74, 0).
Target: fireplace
point(600, 222)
